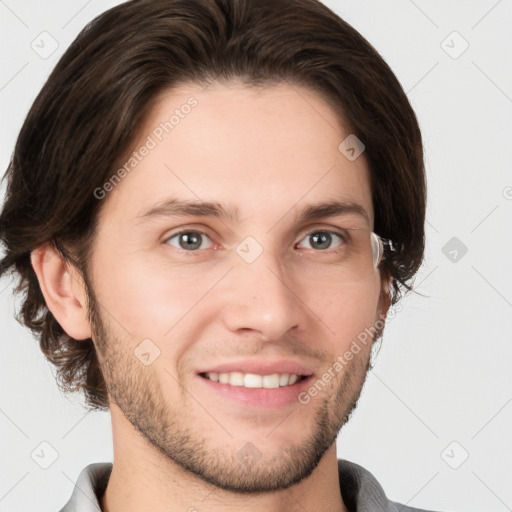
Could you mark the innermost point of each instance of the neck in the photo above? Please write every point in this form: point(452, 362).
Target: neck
point(142, 479)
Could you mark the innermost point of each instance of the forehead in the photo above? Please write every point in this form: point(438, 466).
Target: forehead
point(263, 152)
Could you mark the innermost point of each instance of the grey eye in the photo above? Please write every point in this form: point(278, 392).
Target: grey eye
point(188, 240)
point(321, 239)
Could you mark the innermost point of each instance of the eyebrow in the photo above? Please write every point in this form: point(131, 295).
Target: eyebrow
point(174, 207)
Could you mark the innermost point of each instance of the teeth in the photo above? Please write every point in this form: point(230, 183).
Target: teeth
point(271, 381)
point(251, 380)
point(235, 378)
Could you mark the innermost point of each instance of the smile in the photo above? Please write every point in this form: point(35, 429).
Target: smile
point(252, 380)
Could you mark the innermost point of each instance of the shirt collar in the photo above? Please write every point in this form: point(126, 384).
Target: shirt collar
point(89, 488)
point(360, 490)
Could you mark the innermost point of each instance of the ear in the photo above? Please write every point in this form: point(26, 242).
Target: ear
point(385, 295)
point(63, 290)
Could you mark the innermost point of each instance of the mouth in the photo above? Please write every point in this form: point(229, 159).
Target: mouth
point(272, 392)
point(253, 380)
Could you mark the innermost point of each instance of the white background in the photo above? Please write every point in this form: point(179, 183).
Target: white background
point(443, 374)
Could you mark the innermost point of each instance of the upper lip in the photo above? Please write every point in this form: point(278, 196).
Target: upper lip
point(261, 367)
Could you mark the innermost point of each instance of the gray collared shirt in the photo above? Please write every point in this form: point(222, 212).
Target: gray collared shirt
point(360, 490)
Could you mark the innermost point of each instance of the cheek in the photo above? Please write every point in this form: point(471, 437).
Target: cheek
point(128, 292)
point(146, 296)
point(149, 298)
point(348, 312)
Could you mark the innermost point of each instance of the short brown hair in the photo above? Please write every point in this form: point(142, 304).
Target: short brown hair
point(93, 105)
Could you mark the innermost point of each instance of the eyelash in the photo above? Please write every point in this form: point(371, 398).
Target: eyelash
point(344, 238)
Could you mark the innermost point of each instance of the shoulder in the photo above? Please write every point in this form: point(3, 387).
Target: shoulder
point(88, 489)
point(361, 491)
point(398, 507)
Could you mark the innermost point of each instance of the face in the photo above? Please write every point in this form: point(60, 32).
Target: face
point(239, 289)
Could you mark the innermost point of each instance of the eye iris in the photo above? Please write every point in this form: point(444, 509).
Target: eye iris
point(190, 241)
point(321, 239)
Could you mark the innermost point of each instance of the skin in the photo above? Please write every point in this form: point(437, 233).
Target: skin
point(271, 151)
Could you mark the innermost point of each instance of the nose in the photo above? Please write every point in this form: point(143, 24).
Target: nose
point(262, 297)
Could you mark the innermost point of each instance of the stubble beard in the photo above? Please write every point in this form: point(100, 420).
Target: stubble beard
point(134, 388)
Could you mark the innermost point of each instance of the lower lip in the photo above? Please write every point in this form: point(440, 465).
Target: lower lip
point(260, 397)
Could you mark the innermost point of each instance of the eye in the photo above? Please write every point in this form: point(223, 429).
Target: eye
point(188, 240)
point(192, 240)
point(322, 239)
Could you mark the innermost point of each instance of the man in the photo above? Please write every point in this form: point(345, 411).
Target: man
point(211, 206)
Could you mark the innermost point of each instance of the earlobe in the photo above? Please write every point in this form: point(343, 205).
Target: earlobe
point(63, 290)
point(385, 296)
